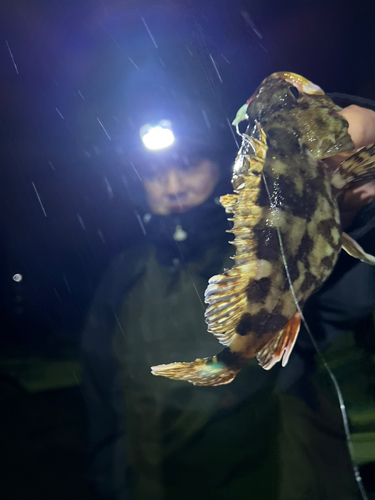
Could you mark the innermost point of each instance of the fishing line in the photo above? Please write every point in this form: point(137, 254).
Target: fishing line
point(343, 410)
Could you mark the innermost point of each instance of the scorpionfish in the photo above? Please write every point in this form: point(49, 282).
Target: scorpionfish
point(286, 223)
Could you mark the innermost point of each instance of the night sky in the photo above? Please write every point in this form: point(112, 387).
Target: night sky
point(78, 79)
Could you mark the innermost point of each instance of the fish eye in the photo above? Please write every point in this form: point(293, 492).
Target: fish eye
point(294, 92)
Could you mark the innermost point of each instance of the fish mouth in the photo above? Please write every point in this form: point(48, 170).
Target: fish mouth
point(298, 81)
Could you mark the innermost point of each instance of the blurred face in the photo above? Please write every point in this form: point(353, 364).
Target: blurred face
point(176, 190)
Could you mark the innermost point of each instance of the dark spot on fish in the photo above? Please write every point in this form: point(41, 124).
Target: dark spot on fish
point(272, 133)
point(301, 206)
point(320, 122)
point(258, 321)
point(308, 282)
point(257, 290)
point(304, 250)
point(268, 246)
point(263, 322)
point(281, 139)
point(328, 261)
point(325, 229)
point(229, 358)
point(244, 325)
point(276, 322)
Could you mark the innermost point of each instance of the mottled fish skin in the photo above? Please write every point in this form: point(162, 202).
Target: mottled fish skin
point(300, 132)
point(284, 210)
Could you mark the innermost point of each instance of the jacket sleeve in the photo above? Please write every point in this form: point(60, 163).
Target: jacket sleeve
point(106, 468)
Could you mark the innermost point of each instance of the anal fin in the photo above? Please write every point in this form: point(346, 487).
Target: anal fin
point(281, 346)
point(355, 250)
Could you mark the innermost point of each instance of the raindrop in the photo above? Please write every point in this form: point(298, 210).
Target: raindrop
point(251, 23)
point(105, 131)
point(109, 187)
point(217, 71)
point(61, 116)
point(57, 294)
point(140, 222)
point(81, 221)
point(101, 236)
point(206, 119)
point(149, 32)
point(17, 277)
point(40, 201)
point(11, 55)
point(67, 284)
point(133, 63)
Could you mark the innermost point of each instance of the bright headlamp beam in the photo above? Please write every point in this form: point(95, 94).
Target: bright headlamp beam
point(158, 138)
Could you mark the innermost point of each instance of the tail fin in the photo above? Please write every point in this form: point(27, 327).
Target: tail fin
point(206, 371)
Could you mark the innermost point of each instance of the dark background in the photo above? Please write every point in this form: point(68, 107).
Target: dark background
point(81, 62)
point(77, 81)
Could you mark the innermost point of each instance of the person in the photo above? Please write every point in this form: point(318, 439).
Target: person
point(152, 438)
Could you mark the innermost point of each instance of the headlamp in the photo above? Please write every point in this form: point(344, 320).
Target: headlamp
point(157, 137)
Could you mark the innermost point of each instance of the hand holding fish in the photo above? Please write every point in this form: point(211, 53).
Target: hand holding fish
point(362, 132)
point(361, 125)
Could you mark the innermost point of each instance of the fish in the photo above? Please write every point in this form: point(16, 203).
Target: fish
point(286, 224)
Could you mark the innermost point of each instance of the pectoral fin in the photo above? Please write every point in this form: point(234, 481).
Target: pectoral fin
point(355, 250)
point(281, 346)
point(360, 167)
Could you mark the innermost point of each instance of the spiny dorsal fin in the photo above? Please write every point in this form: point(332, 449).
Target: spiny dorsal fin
point(360, 167)
point(226, 293)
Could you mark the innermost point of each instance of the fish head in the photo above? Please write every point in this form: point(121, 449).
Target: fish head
point(291, 101)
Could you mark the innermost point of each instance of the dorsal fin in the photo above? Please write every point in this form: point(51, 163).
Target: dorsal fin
point(226, 293)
